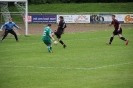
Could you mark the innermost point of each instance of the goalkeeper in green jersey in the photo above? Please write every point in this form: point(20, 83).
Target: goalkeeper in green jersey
point(47, 37)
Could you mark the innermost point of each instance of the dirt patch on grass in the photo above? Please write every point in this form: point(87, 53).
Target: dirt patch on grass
point(38, 28)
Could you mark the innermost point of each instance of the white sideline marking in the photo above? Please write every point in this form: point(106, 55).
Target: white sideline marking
point(94, 68)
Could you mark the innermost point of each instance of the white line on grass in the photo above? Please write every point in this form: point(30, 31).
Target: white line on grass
point(41, 67)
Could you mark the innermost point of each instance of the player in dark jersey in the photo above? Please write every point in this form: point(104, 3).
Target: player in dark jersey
point(60, 30)
point(117, 31)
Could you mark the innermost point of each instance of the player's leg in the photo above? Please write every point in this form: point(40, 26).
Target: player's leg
point(15, 35)
point(111, 39)
point(5, 34)
point(64, 46)
point(49, 48)
point(121, 37)
point(49, 45)
point(59, 39)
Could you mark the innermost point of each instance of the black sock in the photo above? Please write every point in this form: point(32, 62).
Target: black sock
point(111, 39)
point(122, 38)
point(61, 42)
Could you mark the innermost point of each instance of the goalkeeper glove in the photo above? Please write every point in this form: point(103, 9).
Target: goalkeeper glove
point(19, 28)
point(0, 29)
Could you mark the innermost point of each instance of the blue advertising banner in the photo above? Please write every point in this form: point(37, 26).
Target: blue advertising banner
point(44, 18)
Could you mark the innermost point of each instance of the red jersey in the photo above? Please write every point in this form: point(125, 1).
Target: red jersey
point(115, 23)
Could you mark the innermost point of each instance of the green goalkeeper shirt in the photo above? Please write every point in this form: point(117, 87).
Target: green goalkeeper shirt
point(46, 33)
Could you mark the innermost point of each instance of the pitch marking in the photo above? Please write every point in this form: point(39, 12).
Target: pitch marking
point(94, 68)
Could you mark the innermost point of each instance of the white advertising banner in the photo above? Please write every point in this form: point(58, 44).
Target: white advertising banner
point(75, 18)
point(128, 18)
point(107, 18)
point(125, 18)
point(96, 18)
point(120, 17)
point(67, 18)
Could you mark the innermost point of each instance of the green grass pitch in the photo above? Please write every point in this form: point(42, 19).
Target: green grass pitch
point(87, 62)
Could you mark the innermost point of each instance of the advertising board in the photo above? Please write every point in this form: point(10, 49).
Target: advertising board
point(75, 18)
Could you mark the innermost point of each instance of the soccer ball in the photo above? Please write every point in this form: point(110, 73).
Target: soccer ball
point(55, 42)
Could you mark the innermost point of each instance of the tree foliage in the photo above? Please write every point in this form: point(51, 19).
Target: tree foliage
point(76, 1)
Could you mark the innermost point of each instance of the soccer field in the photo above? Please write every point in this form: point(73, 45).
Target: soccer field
point(87, 62)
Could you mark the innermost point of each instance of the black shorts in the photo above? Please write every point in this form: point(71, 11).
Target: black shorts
point(116, 32)
point(58, 34)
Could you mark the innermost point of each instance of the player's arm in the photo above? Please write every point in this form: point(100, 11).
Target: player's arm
point(16, 26)
point(63, 30)
point(58, 26)
point(64, 26)
point(110, 23)
point(51, 37)
point(119, 26)
point(60, 23)
point(3, 26)
point(50, 34)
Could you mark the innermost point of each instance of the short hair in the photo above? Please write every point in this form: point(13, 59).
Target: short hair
point(113, 15)
point(10, 18)
point(49, 24)
point(61, 17)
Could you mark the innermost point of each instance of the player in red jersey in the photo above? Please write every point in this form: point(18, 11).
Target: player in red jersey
point(117, 31)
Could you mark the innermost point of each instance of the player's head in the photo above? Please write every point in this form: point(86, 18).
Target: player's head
point(61, 18)
point(49, 25)
point(113, 17)
point(10, 19)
